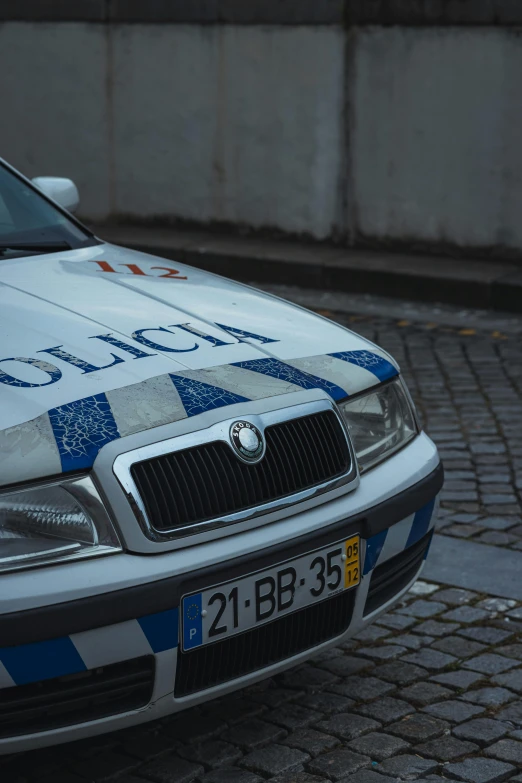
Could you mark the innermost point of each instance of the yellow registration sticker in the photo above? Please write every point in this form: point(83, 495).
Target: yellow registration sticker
point(352, 564)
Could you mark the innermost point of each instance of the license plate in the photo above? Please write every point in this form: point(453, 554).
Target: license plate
point(236, 606)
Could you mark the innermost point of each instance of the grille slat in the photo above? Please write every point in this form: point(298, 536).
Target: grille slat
point(333, 434)
point(225, 478)
point(179, 507)
point(280, 468)
point(146, 489)
point(328, 442)
point(319, 455)
point(294, 479)
point(192, 496)
point(206, 502)
point(269, 481)
point(301, 434)
point(291, 438)
point(162, 498)
point(208, 482)
point(313, 427)
point(263, 646)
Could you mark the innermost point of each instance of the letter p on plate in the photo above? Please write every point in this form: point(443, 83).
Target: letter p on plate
point(192, 622)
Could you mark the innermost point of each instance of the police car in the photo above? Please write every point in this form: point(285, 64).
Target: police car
point(200, 485)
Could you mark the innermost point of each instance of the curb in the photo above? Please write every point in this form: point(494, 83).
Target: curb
point(484, 284)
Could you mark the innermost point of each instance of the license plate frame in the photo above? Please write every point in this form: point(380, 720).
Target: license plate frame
point(244, 613)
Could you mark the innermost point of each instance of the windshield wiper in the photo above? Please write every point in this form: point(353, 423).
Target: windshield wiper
point(53, 246)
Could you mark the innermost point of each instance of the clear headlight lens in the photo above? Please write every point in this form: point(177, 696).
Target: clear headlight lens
point(53, 522)
point(380, 423)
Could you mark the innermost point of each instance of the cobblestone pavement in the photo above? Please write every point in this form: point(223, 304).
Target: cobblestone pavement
point(433, 691)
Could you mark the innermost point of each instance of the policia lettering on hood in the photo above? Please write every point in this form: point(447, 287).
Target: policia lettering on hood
point(52, 373)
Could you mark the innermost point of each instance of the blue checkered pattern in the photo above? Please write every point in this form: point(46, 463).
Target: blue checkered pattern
point(69, 437)
point(394, 540)
point(156, 633)
point(78, 652)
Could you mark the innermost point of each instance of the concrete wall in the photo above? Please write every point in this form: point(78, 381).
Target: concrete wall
point(436, 152)
point(224, 123)
point(323, 123)
point(55, 109)
point(242, 124)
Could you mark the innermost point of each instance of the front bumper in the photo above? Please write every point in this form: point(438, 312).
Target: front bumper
point(63, 645)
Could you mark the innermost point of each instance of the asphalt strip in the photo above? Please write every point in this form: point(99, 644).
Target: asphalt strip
point(473, 566)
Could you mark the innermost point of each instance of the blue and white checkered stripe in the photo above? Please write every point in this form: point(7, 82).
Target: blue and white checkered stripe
point(154, 633)
point(69, 437)
point(398, 537)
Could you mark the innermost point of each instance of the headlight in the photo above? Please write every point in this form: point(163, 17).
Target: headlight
point(380, 423)
point(54, 522)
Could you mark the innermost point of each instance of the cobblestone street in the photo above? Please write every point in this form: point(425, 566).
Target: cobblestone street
point(431, 692)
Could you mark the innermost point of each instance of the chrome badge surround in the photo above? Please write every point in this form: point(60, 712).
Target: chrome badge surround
point(247, 441)
point(222, 432)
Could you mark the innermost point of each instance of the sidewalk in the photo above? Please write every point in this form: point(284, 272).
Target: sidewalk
point(485, 283)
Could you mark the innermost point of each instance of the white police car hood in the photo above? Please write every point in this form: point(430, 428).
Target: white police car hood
point(102, 342)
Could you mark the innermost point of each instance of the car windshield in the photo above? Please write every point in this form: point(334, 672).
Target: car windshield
point(29, 224)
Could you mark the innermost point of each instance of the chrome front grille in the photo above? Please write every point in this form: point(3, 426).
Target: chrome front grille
point(205, 482)
point(196, 481)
